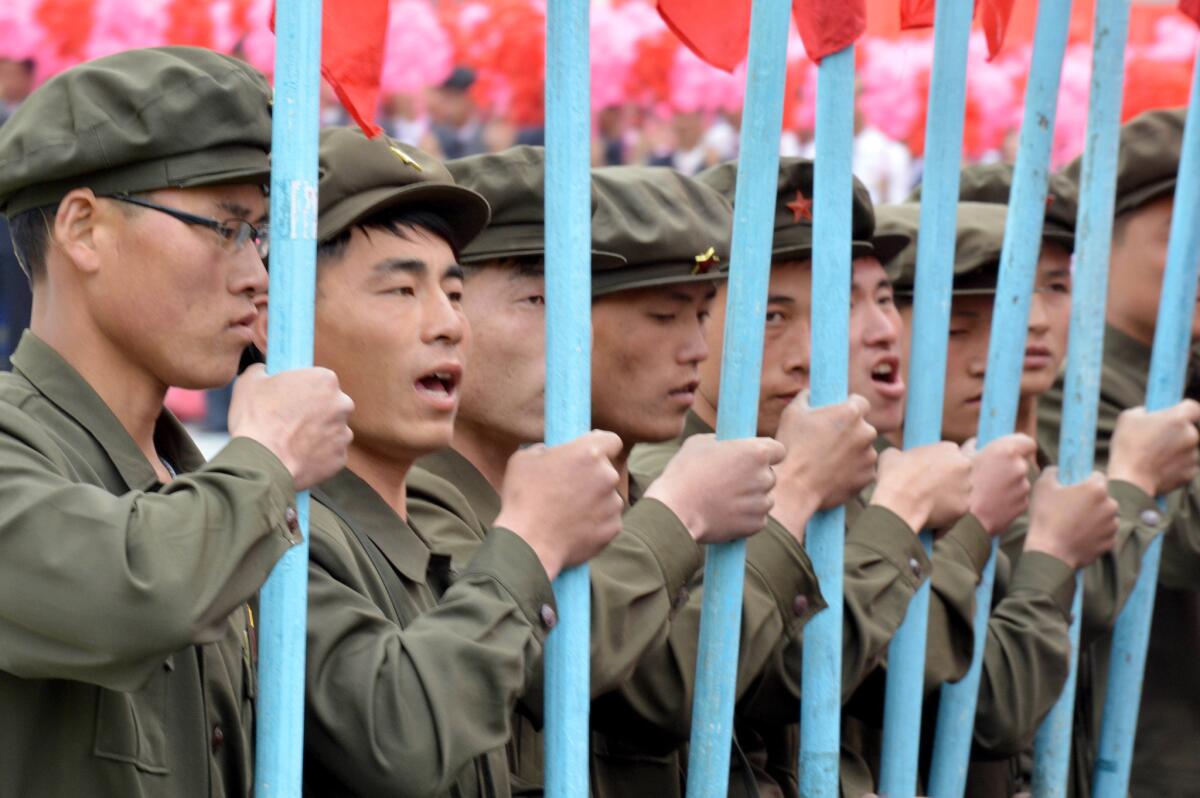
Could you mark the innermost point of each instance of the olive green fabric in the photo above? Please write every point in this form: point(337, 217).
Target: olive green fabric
point(992, 183)
point(1024, 667)
point(126, 653)
point(513, 182)
point(978, 241)
point(645, 610)
point(793, 237)
point(1167, 746)
point(360, 177)
point(1148, 165)
point(669, 228)
point(884, 565)
point(412, 675)
point(137, 121)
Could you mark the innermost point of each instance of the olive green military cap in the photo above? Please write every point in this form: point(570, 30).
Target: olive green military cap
point(670, 229)
point(360, 177)
point(513, 182)
point(979, 239)
point(793, 238)
point(992, 183)
point(1148, 164)
point(137, 121)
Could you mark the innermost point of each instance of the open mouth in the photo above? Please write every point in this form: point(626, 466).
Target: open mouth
point(439, 385)
point(886, 372)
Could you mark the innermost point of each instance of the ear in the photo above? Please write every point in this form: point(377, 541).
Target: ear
point(80, 229)
point(260, 324)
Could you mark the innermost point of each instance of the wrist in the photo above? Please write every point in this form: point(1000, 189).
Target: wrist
point(692, 521)
point(550, 558)
point(793, 509)
point(1047, 544)
point(1119, 471)
point(903, 504)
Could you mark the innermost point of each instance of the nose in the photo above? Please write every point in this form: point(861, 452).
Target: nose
point(880, 329)
point(442, 320)
point(693, 348)
point(798, 349)
point(248, 275)
point(1039, 320)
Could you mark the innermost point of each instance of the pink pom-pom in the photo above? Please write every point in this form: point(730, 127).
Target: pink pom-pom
point(19, 31)
point(419, 53)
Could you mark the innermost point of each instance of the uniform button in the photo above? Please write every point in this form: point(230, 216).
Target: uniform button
point(800, 605)
point(915, 567)
point(218, 739)
point(291, 519)
point(549, 616)
point(1151, 517)
point(682, 597)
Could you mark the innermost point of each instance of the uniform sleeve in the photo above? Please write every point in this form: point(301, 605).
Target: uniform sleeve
point(100, 588)
point(958, 560)
point(1108, 581)
point(780, 594)
point(401, 711)
point(1180, 568)
point(884, 565)
point(1027, 654)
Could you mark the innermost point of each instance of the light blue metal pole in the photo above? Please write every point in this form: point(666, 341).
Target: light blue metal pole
point(1085, 353)
point(1010, 323)
point(1168, 364)
point(931, 325)
point(568, 372)
point(283, 603)
point(741, 370)
point(821, 677)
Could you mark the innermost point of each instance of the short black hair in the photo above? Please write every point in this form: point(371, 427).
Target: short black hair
point(31, 239)
point(402, 224)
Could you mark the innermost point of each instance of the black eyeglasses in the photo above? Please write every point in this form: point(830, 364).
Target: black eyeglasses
point(235, 233)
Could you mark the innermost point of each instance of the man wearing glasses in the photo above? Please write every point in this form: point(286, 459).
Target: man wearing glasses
point(126, 563)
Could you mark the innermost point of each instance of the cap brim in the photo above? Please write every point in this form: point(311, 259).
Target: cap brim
point(466, 212)
point(858, 249)
point(605, 289)
point(601, 261)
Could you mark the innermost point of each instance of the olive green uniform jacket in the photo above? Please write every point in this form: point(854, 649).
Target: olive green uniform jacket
point(641, 583)
point(1167, 750)
point(412, 670)
point(884, 565)
point(126, 655)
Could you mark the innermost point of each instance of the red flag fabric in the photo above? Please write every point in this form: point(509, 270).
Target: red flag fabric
point(718, 31)
point(1191, 8)
point(827, 26)
point(352, 44)
point(994, 16)
point(916, 14)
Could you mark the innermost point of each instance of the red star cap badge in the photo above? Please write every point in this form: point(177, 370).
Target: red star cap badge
point(801, 208)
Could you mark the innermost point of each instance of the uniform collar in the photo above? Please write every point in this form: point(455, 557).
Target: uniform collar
point(694, 425)
point(399, 542)
point(471, 483)
point(63, 386)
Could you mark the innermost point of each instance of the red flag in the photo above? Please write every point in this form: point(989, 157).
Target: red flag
point(827, 26)
point(994, 15)
point(352, 43)
point(1191, 8)
point(916, 14)
point(718, 31)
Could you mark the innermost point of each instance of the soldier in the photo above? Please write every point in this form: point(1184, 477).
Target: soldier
point(885, 562)
point(642, 608)
point(1026, 653)
point(1168, 737)
point(134, 187)
point(412, 675)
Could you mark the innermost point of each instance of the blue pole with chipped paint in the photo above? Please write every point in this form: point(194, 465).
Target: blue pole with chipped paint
point(1010, 322)
point(750, 268)
point(821, 677)
point(1168, 365)
point(1085, 353)
point(931, 325)
point(283, 603)
point(568, 372)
